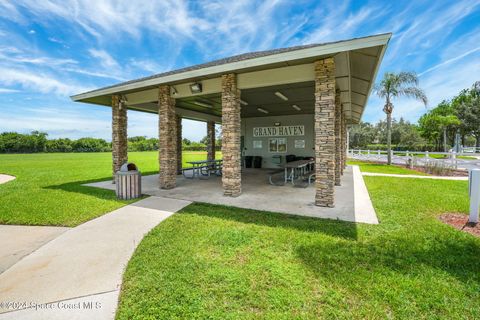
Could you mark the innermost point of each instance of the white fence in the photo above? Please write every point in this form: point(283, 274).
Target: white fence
point(470, 150)
point(411, 158)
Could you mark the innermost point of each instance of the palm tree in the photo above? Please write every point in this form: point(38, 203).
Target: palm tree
point(394, 85)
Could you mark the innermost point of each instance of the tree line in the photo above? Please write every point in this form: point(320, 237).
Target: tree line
point(435, 131)
point(459, 115)
point(36, 141)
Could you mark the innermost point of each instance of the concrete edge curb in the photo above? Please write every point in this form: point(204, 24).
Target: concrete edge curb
point(362, 202)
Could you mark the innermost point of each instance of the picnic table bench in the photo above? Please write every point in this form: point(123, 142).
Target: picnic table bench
point(293, 170)
point(203, 168)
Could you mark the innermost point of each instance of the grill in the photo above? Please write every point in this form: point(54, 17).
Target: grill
point(128, 182)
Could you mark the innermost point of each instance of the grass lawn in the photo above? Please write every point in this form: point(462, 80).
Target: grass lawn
point(374, 167)
point(442, 156)
point(226, 263)
point(48, 188)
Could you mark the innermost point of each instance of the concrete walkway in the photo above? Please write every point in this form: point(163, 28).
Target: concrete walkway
point(363, 204)
point(4, 178)
point(372, 174)
point(78, 274)
point(19, 241)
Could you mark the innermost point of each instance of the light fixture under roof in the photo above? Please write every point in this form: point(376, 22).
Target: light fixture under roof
point(294, 106)
point(281, 95)
point(245, 103)
point(203, 104)
point(262, 110)
point(196, 87)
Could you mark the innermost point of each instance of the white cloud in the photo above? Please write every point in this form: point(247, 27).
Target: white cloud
point(443, 63)
point(147, 65)
point(84, 71)
point(20, 56)
point(7, 90)
point(162, 35)
point(336, 22)
point(42, 83)
point(118, 17)
point(105, 59)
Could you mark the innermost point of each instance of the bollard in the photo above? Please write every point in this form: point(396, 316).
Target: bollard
point(474, 193)
point(426, 154)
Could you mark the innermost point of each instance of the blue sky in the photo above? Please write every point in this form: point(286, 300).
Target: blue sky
point(51, 49)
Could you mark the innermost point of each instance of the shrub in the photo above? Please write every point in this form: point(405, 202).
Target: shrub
point(90, 145)
point(439, 168)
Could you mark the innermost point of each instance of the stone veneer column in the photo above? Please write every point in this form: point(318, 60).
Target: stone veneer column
point(338, 138)
point(167, 145)
point(179, 144)
point(119, 134)
point(231, 177)
point(324, 132)
point(345, 142)
point(211, 140)
point(342, 140)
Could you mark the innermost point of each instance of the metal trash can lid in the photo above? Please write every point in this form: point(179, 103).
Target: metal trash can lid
point(128, 166)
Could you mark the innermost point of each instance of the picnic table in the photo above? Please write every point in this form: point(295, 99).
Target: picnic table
point(297, 168)
point(207, 165)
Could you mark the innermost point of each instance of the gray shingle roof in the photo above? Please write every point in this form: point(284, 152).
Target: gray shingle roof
point(236, 58)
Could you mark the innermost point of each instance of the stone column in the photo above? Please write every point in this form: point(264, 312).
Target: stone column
point(211, 140)
point(119, 134)
point(179, 144)
point(347, 142)
point(167, 146)
point(341, 142)
point(344, 142)
point(324, 132)
point(338, 138)
point(232, 177)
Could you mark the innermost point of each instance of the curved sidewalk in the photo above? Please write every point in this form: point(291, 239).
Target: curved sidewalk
point(4, 178)
point(372, 174)
point(78, 274)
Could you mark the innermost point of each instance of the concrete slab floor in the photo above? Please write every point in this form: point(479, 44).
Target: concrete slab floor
point(258, 194)
point(19, 241)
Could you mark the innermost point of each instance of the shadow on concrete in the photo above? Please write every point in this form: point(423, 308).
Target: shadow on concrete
point(333, 228)
point(79, 187)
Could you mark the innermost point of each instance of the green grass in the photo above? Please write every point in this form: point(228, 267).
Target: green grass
point(437, 156)
point(467, 158)
point(218, 262)
point(374, 167)
point(48, 189)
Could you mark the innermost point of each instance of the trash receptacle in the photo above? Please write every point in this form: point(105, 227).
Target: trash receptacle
point(257, 162)
point(128, 181)
point(248, 161)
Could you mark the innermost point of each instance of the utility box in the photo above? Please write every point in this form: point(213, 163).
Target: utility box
point(474, 194)
point(128, 182)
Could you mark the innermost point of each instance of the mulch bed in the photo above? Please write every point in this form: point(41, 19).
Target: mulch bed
point(460, 221)
point(453, 173)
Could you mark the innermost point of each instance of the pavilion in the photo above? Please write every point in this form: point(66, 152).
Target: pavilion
point(296, 100)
